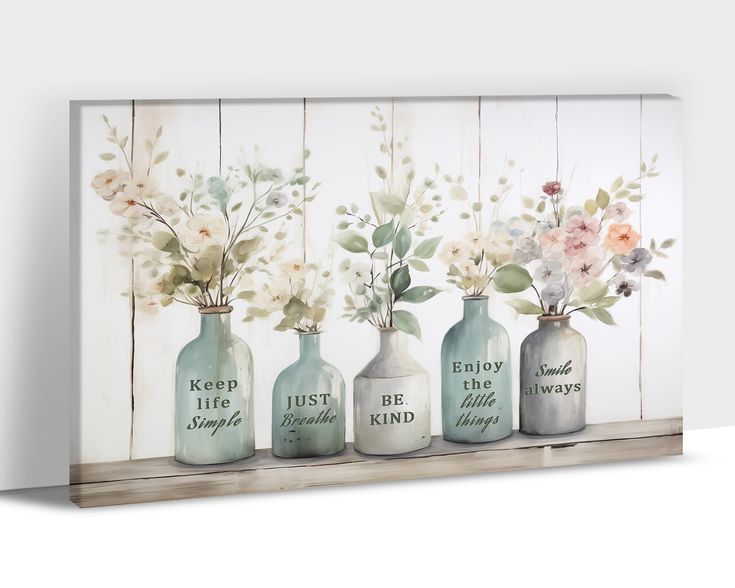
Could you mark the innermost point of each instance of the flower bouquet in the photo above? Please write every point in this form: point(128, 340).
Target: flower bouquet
point(589, 258)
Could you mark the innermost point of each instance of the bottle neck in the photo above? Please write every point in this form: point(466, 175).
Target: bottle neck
point(475, 307)
point(549, 323)
point(392, 341)
point(214, 325)
point(309, 345)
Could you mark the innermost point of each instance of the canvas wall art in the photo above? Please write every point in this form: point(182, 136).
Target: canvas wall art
point(277, 294)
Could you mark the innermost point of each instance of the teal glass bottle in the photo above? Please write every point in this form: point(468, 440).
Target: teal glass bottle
point(214, 394)
point(308, 405)
point(476, 377)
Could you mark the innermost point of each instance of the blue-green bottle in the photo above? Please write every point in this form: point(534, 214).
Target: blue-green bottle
point(476, 377)
point(214, 394)
point(308, 405)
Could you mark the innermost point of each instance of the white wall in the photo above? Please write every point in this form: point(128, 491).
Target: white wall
point(54, 52)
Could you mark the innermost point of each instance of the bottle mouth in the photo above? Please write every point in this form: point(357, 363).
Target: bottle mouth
point(215, 309)
point(480, 297)
point(387, 329)
point(553, 317)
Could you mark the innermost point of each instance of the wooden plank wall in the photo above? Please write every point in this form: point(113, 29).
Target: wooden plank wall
point(128, 354)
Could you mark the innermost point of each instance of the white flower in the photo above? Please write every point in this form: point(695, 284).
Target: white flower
point(202, 231)
point(498, 248)
point(476, 239)
point(277, 199)
point(526, 250)
point(271, 298)
point(124, 205)
point(454, 252)
point(457, 192)
point(167, 206)
point(109, 182)
point(293, 269)
point(145, 187)
point(617, 211)
point(344, 265)
point(358, 274)
point(549, 271)
point(552, 294)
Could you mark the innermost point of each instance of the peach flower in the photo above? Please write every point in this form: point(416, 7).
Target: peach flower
point(621, 239)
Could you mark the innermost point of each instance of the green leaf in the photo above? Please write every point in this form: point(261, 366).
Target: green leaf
point(419, 294)
point(512, 278)
point(602, 199)
point(606, 301)
point(351, 241)
point(525, 307)
point(418, 265)
point(165, 242)
point(592, 291)
point(635, 198)
point(603, 315)
point(427, 248)
point(528, 202)
point(160, 158)
point(400, 280)
point(402, 242)
point(668, 243)
point(407, 322)
point(384, 234)
point(107, 156)
point(380, 171)
point(617, 184)
point(388, 203)
point(590, 207)
point(295, 307)
point(588, 312)
point(655, 274)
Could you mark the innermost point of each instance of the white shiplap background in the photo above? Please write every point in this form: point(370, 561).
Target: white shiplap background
point(127, 356)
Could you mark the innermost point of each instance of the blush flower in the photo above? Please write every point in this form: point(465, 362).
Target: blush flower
point(585, 267)
point(582, 231)
point(553, 242)
point(617, 211)
point(551, 188)
point(621, 238)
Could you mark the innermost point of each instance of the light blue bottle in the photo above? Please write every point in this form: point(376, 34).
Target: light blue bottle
point(476, 377)
point(308, 405)
point(214, 394)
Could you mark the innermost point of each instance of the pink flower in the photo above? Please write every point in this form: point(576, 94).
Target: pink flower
point(585, 267)
point(551, 188)
point(553, 242)
point(618, 211)
point(582, 232)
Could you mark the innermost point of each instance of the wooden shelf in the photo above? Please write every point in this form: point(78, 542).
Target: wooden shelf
point(162, 478)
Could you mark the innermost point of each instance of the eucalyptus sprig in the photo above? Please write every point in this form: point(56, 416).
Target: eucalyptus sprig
point(384, 244)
